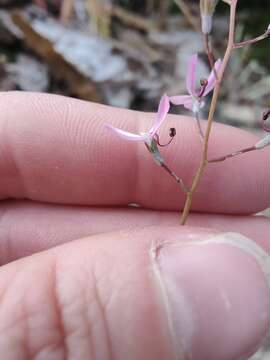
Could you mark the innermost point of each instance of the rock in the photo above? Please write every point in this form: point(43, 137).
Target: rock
point(28, 74)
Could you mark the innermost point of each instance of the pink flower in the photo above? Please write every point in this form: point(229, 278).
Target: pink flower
point(194, 101)
point(150, 138)
point(163, 109)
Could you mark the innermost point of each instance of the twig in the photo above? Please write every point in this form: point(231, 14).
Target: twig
point(252, 41)
point(213, 106)
point(100, 16)
point(236, 153)
point(209, 52)
point(131, 19)
point(197, 116)
point(175, 177)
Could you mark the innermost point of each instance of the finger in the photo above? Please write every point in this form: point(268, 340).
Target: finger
point(138, 295)
point(56, 149)
point(28, 227)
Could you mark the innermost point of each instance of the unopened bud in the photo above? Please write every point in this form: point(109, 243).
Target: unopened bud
point(229, 2)
point(207, 10)
point(263, 143)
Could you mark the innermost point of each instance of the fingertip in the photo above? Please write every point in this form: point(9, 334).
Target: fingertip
point(56, 149)
point(152, 293)
point(218, 296)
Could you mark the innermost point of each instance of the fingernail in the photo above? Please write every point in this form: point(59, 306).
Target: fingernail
point(216, 296)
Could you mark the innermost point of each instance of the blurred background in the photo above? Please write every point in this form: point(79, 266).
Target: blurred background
point(128, 53)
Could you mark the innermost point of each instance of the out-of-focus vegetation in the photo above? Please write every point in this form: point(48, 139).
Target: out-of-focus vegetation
point(129, 52)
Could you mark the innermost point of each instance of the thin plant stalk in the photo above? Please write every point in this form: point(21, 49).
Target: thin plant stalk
point(175, 177)
point(198, 121)
point(234, 154)
point(252, 41)
point(209, 52)
point(100, 17)
point(213, 106)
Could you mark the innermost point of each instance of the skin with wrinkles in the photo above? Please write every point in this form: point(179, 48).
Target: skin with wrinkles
point(90, 291)
point(58, 151)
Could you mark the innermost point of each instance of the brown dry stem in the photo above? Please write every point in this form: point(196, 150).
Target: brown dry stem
point(213, 106)
point(209, 52)
point(252, 41)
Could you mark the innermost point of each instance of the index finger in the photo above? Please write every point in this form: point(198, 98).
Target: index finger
point(57, 150)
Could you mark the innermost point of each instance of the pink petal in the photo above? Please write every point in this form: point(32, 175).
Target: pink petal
point(189, 104)
point(211, 81)
point(180, 100)
point(191, 75)
point(163, 109)
point(125, 135)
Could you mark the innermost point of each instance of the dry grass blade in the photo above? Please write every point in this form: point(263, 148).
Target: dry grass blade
point(100, 16)
point(77, 84)
point(188, 14)
point(66, 10)
point(131, 19)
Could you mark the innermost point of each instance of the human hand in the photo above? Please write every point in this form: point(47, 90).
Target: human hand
point(134, 284)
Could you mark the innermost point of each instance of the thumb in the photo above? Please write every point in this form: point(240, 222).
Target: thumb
point(156, 293)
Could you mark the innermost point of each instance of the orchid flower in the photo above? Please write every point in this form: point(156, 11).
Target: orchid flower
point(194, 101)
point(150, 138)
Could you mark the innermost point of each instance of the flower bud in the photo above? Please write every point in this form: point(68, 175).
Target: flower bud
point(263, 143)
point(207, 10)
point(230, 2)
